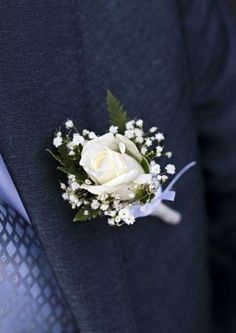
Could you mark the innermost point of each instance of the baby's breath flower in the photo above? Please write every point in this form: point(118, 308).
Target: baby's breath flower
point(153, 129)
point(155, 169)
point(159, 149)
point(170, 169)
point(95, 204)
point(88, 181)
point(73, 198)
point(130, 124)
point(57, 141)
point(113, 129)
point(159, 137)
point(168, 154)
point(126, 216)
point(111, 222)
point(71, 153)
point(85, 132)
point(103, 197)
point(65, 196)
point(74, 186)
point(71, 177)
point(130, 220)
point(104, 206)
point(143, 150)
point(86, 212)
point(139, 139)
point(92, 135)
point(69, 124)
point(148, 142)
point(164, 178)
point(152, 187)
point(129, 133)
point(139, 123)
point(70, 146)
point(138, 132)
point(112, 213)
point(117, 219)
point(63, 186)
point(123, 213)
point(77, 139)
point(116, 203)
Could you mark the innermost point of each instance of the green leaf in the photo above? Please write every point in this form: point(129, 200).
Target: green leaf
point(81, 177)
point(145, 164)
point(116, 113)
point(63, 151)
point(68, 162)
point(56, 157)
point(80, 217)
point(64, 170)
point(141, 194)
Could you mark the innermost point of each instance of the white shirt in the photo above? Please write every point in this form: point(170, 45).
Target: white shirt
point(8, 192)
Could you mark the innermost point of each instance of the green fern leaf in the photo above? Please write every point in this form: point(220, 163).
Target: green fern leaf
point(116, 113)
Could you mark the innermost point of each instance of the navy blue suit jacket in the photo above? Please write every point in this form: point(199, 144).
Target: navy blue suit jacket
point(171, 63)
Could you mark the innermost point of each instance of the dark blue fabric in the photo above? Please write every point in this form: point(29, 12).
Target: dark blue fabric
point(212, 43)
point(165, 59)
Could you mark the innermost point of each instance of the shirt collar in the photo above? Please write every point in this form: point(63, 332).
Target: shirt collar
point(8, 191)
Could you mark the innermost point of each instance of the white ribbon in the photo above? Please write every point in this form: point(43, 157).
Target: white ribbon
point(156, 207)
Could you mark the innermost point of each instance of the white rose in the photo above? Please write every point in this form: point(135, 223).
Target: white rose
point(113, 163)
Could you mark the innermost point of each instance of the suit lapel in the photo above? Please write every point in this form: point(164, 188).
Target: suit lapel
point(43, 81)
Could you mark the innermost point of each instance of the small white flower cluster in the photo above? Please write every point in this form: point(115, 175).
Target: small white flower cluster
point(117, 210)
point(57, 141)
point(150, 145)
point(155, 170)
point(75, 141)
point(123, 216)
point(89, 135)
point(134, 131)
point(70, 192)
point(69, 124)
point(113, 129)
point(145, 141)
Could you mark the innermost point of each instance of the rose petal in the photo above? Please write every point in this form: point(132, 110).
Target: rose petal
point(131, 148)
point(113, 185)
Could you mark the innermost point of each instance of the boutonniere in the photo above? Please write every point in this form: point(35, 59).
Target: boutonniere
point(119, 174)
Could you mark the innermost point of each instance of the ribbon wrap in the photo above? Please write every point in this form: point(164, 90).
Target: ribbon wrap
point(168, 194)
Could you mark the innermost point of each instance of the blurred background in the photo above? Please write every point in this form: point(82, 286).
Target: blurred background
point(232, 4)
